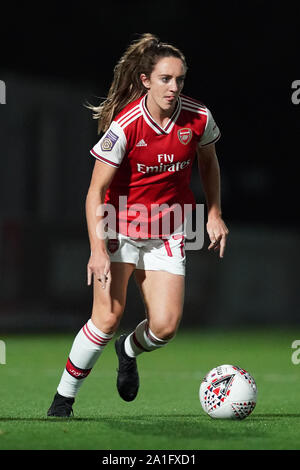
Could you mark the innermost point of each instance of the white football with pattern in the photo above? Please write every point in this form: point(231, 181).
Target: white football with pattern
point(228, 392)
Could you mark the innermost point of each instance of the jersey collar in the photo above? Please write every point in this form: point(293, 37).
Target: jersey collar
point(153, 124)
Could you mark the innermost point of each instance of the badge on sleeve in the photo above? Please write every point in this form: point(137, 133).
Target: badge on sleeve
point(109, 141)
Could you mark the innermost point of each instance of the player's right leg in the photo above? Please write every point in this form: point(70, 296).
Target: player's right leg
point(108, 307)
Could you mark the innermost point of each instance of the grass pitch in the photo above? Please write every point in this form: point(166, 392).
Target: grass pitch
point(166, 414)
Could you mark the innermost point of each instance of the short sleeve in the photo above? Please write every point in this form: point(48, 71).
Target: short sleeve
point(111, 147)
point(211, 133)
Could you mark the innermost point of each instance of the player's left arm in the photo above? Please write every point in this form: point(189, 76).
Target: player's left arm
point(209, 170)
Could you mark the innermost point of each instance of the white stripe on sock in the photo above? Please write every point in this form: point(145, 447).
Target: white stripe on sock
point(142, 339)
point(86, 349)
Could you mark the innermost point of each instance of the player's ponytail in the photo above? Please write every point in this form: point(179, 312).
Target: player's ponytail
point(140, 57)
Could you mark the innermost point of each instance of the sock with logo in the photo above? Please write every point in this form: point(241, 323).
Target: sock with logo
point(142, 339)
point(86, 349)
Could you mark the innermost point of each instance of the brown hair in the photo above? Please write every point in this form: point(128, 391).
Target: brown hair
point(140, 57)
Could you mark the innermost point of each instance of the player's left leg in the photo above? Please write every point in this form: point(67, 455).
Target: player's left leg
point(163, 295)
point(159, 273)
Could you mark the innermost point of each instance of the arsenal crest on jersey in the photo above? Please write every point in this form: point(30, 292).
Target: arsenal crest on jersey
point(185, 135)
point(113, 245)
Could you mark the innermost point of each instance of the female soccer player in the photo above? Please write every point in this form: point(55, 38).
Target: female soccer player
point(143, 160)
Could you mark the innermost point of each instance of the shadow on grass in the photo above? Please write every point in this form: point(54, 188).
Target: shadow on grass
point(275, 415)
point(187, 426)
point(149, 418)
point(99, 419)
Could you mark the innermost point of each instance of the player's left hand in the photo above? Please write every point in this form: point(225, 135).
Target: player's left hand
point(217, 232)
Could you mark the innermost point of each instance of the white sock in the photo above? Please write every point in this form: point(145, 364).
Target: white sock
point(142, 339)
point(86, 349)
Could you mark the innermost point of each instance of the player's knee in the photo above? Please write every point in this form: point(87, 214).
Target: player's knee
point(165, 332)
point(111, 322)
point(165, 326)
point(107, 322)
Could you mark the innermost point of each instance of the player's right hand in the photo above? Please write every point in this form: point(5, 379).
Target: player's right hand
point(99, 266)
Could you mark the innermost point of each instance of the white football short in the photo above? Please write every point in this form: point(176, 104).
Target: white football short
point(166, 254)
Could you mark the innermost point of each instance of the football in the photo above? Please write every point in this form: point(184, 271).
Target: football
point(228, 392)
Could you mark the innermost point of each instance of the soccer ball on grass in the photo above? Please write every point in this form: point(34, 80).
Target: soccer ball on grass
point(228, 392)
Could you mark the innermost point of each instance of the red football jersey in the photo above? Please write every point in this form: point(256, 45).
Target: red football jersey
point(154, 163)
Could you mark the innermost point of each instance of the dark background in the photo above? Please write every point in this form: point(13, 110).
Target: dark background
point(242, 58)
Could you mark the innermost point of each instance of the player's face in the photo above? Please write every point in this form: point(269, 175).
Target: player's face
point(165, 84)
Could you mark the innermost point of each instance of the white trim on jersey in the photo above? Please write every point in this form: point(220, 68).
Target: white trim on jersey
point(212, 142)
point(129, 117)
point(126, 114)
point(153, 124)
point(192, 102)
point(211, 131)
point(104, 160)
point(190, 105)
point(198, 111)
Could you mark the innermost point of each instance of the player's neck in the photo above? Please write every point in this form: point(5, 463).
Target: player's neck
point(160, 116)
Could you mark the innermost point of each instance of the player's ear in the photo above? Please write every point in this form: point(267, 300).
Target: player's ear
point(145, 81)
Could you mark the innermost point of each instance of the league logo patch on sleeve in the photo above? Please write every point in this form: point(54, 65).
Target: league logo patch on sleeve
point(109, 141)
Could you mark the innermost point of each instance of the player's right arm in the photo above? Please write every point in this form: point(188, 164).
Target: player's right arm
point(99, 262)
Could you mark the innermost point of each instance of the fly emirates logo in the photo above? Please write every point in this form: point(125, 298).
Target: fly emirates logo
point(165, 162)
